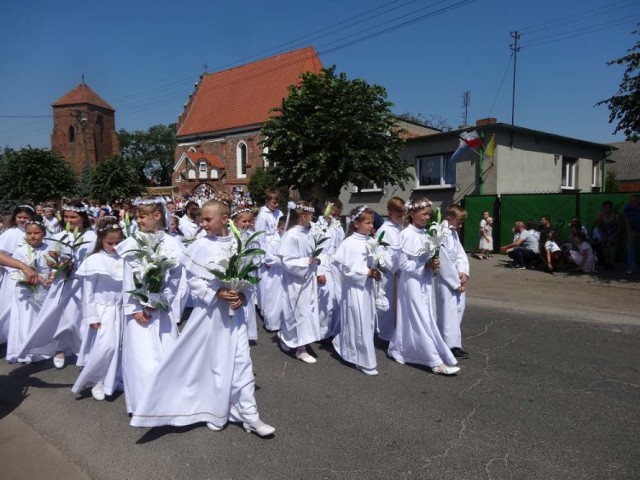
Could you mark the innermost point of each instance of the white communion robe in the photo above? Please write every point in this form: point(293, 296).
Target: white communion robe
point(10, 241)
point(267, 222)
point(301, 324)
point(329, 293)
point(272, 311)
point(27, 303)
point(387, 319)
point(416, 338)
point(144, 346)
point(354, 342)
point(451, 303)
point(59, 326)
point(101, 275)
point(208, 376)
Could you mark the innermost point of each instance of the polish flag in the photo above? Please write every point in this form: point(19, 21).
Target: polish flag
point(472, 139)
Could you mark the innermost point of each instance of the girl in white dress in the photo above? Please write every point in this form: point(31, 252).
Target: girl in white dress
point(267, 221)
point(27, 300)
point(357, 267)
point(208, 377)
point(272, 312)
point(416, 338)
point(329, 291)
point(101, 275)
point(301, 325)
point(189, 223)
point(241, 217)
point(149, 334)
point(10, 240)
point(50, 220)
point(452, 281)
point(59, 329)
point(392, 227)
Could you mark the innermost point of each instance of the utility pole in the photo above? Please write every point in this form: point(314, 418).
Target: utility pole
point(466, 102)
point(514, 46)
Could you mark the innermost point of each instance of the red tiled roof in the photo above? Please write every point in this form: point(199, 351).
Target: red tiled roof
point(245, 95)
point(82, 94)
point(211, 158)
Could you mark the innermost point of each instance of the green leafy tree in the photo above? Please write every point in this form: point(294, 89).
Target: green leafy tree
point(262, 179)
point(35, 174)
point(151, 152)
point(611, 183)
point(115, 178)
point(624, 106)
point(330, 132)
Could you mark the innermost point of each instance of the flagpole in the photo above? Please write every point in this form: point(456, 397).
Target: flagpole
point(480, 166)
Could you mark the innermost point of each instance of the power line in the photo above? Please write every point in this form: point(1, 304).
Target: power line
point(504, 76)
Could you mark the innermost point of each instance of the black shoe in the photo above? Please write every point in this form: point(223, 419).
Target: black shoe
point(459, 353)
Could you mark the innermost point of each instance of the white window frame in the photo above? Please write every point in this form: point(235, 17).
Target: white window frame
point(202, 169)
point(265, 160)
point(214, 173)
point(191, 174)
point(442, 184)
point(568, 173)
point(595, 174)
point(373, 188)
point(239, 173)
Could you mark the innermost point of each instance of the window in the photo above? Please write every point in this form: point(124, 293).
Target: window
point(569, 173)
point(371, 187)
point(241, 160)
point(202, 167)
point(191, 174)
point(265, 152)
point(435, 171)
point(72, 134)
point(595, 174)
point(214, 173)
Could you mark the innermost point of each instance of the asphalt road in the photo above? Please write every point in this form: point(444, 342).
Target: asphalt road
point(539, 398)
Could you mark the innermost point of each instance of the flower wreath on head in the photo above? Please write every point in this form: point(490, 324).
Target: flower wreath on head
point(358, 213)
point(71, 208)
point(424, 204)
point(37, 222)
point(111, 226)
point(297, 206)
point(237, 212)
point(28, 207)
point(148, 201)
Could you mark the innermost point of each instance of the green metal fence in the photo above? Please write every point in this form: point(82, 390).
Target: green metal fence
point(561, 207)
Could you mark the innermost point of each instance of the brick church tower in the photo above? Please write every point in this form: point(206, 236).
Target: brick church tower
point(84, 128)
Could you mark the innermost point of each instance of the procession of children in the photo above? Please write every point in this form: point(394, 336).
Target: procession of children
point(111, 288)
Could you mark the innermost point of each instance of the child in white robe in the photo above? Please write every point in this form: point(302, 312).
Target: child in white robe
point(189, 224)
point(241, 217)
point(267, 221)
point(27, 300)
point(10, 240)
point(358, 271)
point(59, 329)
point(149, 334)
point(416, 338)
point(392, 227)
point(301, 325)
point(452, 281)
point(329, 291)
point(272, 312)
point(208, 376)
point(50, 220)
point(101, 275)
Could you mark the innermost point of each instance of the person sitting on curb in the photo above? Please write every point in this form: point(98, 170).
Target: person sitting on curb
point(524, 250)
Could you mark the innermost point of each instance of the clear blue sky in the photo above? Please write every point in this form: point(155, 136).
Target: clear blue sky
point(143, 57)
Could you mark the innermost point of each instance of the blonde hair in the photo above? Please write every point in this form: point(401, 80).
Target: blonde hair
point(150, 209)
point(219, 207)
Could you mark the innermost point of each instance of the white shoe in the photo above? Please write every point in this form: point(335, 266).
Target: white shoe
point(369, 371)
point(445, 370)
point(213, 427)
point(305, 357)
point(59, 361)
point(259, 428)
point(98, 391)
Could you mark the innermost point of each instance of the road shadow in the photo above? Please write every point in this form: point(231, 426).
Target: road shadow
point(14, 387)
point(155, 433)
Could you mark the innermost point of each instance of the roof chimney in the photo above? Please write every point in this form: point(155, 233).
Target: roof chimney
point(483, 122)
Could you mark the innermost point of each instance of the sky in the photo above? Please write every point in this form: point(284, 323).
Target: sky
point(143, 57)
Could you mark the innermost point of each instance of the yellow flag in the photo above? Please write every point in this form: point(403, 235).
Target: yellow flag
point(491, 146)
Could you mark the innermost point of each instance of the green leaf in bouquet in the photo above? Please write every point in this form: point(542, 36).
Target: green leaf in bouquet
point(252, 252)
point(253, 236)
point(317, 252)
point(220, 275)
point(321, 241)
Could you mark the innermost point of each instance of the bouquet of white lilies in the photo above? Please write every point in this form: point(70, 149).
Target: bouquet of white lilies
point(149, 270)
point(64, 251)
point(237, 268)
point(435, 236)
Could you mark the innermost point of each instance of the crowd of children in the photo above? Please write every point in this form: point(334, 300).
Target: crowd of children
point(114, 294)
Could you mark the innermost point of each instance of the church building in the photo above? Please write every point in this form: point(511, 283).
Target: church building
point(84, 128)
point(218, 133)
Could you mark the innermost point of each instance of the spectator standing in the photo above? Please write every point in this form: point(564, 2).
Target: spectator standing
point(609, 227)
